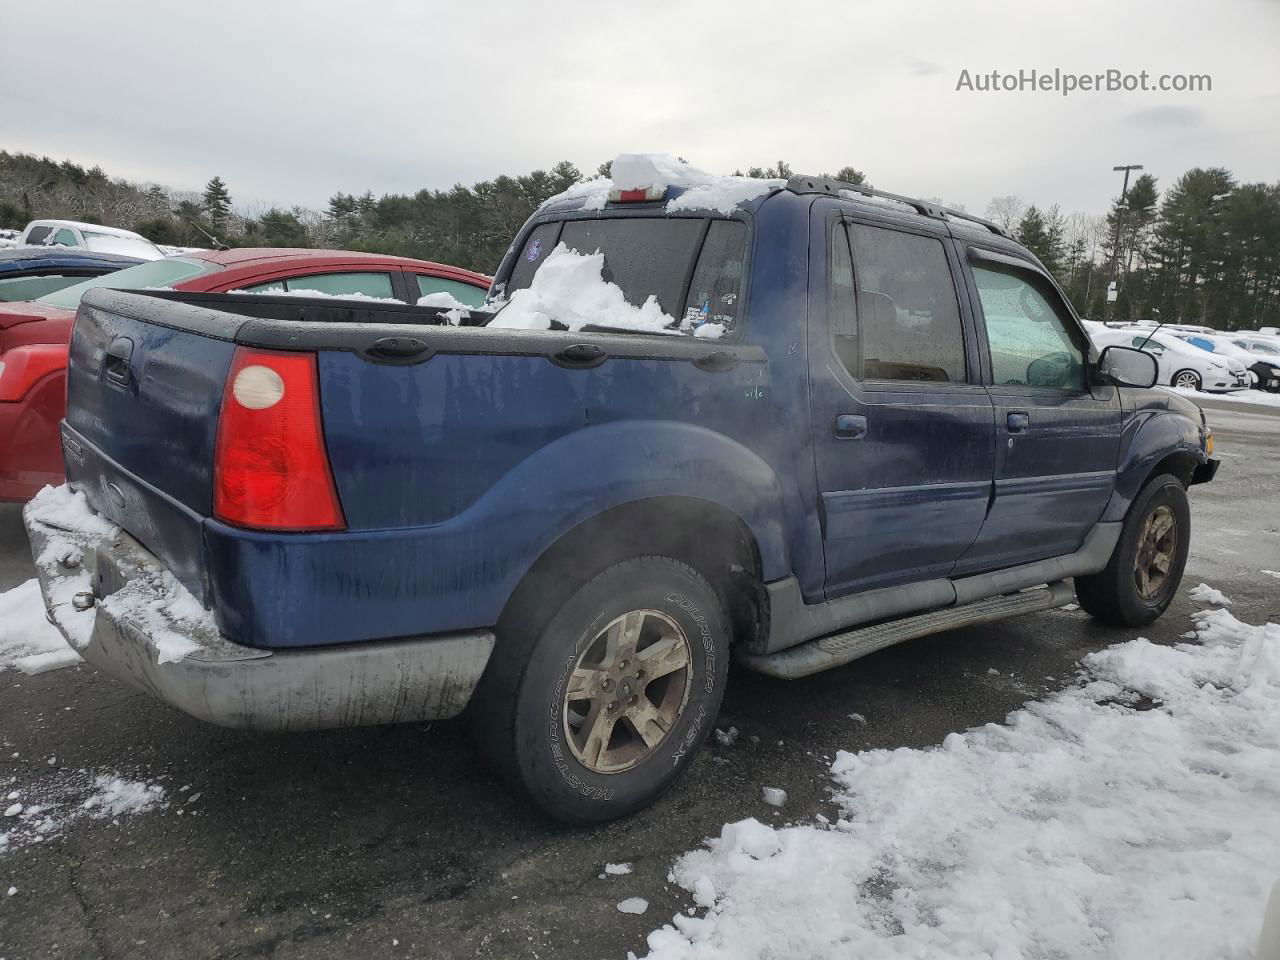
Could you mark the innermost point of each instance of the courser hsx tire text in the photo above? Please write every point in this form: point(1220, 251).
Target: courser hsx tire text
point(1146, 566)
point(595, 703)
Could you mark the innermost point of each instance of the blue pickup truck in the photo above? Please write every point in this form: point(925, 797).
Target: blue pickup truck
point(308, 513)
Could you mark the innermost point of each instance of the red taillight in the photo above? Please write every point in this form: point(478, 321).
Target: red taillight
point(21, 367)
point(271, 470)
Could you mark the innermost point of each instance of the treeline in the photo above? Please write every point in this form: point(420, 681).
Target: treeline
point(1207, 251)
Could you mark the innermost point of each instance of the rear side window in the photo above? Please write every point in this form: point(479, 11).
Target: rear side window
point(644, 256)
point(540, 242)
point(38, 234)
point(906, 313)
point(462, 292)
point(716, 289)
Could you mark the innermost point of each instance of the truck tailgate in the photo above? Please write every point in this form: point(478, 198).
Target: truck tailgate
point(142, 415)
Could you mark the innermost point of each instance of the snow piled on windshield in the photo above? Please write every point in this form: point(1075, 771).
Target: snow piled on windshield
point(1132, 816)
point(570, 287)
point(703, 191)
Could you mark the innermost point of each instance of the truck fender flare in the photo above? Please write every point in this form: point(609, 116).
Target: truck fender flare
point(1156, 440)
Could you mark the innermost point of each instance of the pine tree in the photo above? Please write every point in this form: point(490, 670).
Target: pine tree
point(1042, 235)
point(217, 201)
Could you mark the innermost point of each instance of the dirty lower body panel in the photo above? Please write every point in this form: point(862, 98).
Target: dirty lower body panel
point(123, 612)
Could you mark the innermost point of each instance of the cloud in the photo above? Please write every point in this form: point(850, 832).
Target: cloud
point(1166, 117)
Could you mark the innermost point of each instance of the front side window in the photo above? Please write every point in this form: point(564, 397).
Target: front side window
point(64, 238)
point(462, 292)
point(1030, 341)
point(1146, 343)
point(29, 287)
point(906, 318)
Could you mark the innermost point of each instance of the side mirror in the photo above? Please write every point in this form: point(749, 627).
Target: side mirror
point(1128, 367)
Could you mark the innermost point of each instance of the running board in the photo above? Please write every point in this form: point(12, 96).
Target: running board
point(841, 648)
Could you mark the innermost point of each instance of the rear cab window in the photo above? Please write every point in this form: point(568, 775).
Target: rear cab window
point(693, 267)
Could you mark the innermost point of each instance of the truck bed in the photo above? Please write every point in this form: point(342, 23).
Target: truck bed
point(457, 452)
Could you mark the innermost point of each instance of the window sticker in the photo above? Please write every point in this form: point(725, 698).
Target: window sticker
point(535, 250)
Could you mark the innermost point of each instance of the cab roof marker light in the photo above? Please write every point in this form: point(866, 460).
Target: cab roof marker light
point(638, 195)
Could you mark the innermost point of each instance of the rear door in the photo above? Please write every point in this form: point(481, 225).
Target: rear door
point(902, 426)
point(1057, 440)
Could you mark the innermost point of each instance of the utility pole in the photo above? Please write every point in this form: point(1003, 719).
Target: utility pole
point(1115, 245)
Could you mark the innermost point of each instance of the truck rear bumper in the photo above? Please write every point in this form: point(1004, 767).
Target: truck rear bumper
point(115, 604)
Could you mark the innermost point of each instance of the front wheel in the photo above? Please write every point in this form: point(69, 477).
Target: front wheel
point(1146, 566)
point(1187, 379)
point(595, 711)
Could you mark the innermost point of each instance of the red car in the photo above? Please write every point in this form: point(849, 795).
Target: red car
point(34, 334)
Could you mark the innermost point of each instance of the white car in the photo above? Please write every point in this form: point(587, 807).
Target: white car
point(1181, 364)
point(90, 236)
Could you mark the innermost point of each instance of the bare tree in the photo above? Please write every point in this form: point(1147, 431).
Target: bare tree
point(1007, 211)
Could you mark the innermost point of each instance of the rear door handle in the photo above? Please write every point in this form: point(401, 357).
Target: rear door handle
point(850, 427)
point(1018, 421)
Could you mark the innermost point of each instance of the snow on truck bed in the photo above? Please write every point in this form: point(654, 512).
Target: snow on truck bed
point(1135, 815)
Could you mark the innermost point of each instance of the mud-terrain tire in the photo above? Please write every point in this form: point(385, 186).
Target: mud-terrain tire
point(1146, 566)
point(594, 705)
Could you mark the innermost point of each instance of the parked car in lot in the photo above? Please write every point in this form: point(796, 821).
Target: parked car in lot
point(34, 335)
point(1266, 358)
point(1181, 364)
point(1264, 368)
point(89, 236)
point(27, 272)
point(827, 444)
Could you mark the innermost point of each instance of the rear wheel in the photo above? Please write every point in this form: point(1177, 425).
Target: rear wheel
point(1146, 566)
point(1187, 379)
point(596, 707)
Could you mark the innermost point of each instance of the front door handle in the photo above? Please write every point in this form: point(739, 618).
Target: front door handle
point(850, 427)
point(1018, 421)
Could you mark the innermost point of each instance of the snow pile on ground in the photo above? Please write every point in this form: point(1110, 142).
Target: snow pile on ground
point(169, 613)
point(570, 287)
point(1132, 816)
point(456, 310)
point(702, 190)
point(43, 810)
point(28, 641)
point(1209, 595)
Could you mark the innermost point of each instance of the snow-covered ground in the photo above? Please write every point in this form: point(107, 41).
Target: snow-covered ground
point(1136, 814)
point(28, 641)
point(1249, 397)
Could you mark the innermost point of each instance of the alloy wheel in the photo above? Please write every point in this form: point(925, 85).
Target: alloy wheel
point(1157, 545)
point(627, 691)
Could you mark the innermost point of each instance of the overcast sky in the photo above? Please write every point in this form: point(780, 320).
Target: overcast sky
point(289, 101)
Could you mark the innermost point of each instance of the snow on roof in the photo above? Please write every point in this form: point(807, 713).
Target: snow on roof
point(700, 190)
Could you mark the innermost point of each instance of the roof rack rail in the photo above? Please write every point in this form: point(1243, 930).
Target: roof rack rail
point(801, 183)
